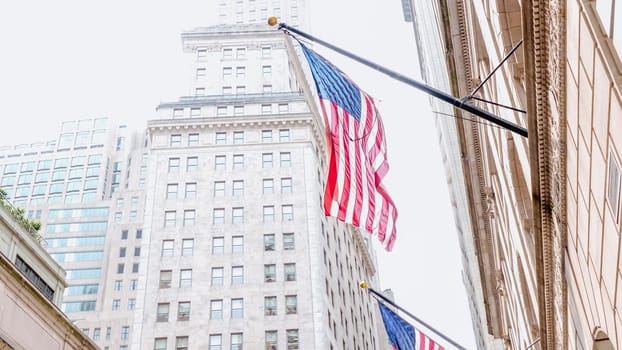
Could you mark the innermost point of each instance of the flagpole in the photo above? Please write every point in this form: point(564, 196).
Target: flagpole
point(458, 103)
point(364, 285)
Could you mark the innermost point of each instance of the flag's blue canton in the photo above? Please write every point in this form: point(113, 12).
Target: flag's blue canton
point(401, 333)
point(333, 85)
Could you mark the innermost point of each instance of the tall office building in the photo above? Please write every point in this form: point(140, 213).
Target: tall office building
point(539, 216)
point(207, 229)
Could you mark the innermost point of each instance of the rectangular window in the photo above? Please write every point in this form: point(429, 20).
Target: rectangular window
point(240, 72)
point(266, 160)
point(283, 134)
point(237, 308)
point(272, 340)
point(189, 217)
point(201, 54)
point(175, 140)
point(125, 332)
point(283, 108)
point(268, 213)
point(269, 306)
point(96, 333)
point(237, 244)
point(219, 162)
point(131, 304)
point(289, 271)
point(269, 273)
point(187, 247)
point(218, 216)
point(286, 185)
point(227, 53)
point(240, 90)
point(178, 113)
point(181, 343)
point(193, 139)
point(287, 212)
point(238, 137)
point(215, 342)
point(240, 53)
point(288, 241)
point(168, 246)
point(116, 304)
point(218, 245)
point(183, 311)
point(170, 218)
point(215, 309)
point(236, 341)
point(237, 215)
point(120, 268)
point(117, 285)
point(238, 161)
point(195, 112)
point(192, 163)
point(122, 252)
point(237, 275)
point(166, 277)
point(191, 190)
point(266, 51)
point(221, 111)
point(219, 188)
point(238, 110)
point(221, 138)
point(227, 90)
point(268, 186)
point(159, 344)
point(217, 276)
point(286, 159)
point(185, 278)
point(173, 165)
point(201, 72)
point(266, 71)
point(136, 251)
point(614, 184)
point(266, 109)
point(135, 267)
point(162, 312)
point(200, 91)
point(266, 89)
point(171, 191)
point(133, 284)
point(266, 136)
point(292, 339)
point(291, 304)
point(268, 242)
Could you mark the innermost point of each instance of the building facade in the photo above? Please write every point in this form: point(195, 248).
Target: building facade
point(539, 217)
point(31, 291)
point(205, 230)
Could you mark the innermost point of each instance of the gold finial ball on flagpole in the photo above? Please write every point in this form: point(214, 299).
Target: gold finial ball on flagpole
point(363, 284)
point(272, 20)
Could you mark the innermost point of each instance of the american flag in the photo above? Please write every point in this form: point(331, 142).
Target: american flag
point(354, 191)
point(402, 335)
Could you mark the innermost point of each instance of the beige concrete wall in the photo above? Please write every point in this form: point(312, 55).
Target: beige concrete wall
point(29, 321)
point(594, 135)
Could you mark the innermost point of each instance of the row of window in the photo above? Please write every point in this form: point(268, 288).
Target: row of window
point(116, 304)
point(220, 161)
point(218, 244)
point(236, 341)
point(217, 277)
point(241, 89)
point(222, 111)
point(221, 138)
point(124, 335)
point(45, 176)
point(237, 215)
point(86, 197)
point(59, 163)
point(190, 188)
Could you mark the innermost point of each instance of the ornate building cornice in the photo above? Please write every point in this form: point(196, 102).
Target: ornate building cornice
point(544, 39)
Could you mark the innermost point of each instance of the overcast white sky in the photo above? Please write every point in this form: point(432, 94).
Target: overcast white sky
point(71, 59)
